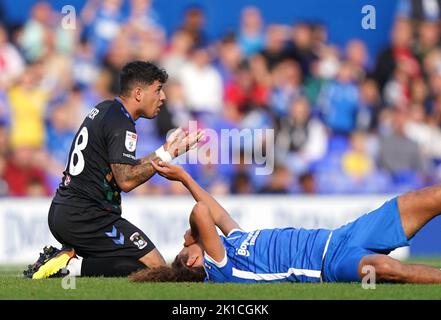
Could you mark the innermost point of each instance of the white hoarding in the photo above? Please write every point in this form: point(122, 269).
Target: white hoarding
point(24, 230)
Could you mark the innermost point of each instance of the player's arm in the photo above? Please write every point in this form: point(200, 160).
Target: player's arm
point(203, 227)
point(130, 176)
point(218, 214)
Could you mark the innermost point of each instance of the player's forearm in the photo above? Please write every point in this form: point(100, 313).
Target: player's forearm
point(129, 177)
point(199, 194)
point(194, 228)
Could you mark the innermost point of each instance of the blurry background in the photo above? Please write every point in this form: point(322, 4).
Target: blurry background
point(355, 111)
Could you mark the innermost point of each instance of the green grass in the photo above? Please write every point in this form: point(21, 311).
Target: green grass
point(13, 286)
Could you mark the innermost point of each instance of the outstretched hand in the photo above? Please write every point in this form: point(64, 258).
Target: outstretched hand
point(169, 171)
point(181, 141)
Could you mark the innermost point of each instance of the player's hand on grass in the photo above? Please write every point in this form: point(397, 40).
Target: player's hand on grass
point(180, 141)
point(169, 171)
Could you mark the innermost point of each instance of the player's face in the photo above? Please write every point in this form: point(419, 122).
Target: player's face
point(152, 98)
point(195, 255)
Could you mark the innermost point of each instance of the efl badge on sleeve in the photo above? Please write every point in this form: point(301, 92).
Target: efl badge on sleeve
point(131, 139)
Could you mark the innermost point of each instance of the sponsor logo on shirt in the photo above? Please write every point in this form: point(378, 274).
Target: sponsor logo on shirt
point(249, 241)
point(127, 155)
point(130, 142)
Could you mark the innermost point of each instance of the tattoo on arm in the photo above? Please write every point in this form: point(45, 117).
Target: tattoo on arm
point(135, 175)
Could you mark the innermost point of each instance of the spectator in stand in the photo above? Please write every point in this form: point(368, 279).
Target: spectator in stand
point(339, 101)
point(396, 92)
point(420, 9)
point(322, 72)
point(301, 139)
point(419, 94)
point(4, 140)
point(177, 54)
point(103, 21)
point(307, 184)
point(260, 72)
point(44, 33)
point(120, 52)
point(357, 163)
point(147, 39)
point(286, 87)
point(85, 67)
point(11, 62)
point(251, 34)
point(241, 184)
point(174, 113)
point(428, 39)
point(100, 90)
point(369, 107)
point(280, 181)
point(243, 93)
point(28, 101)
point(33, 36)
point(5, 116)
point(76, 106)
point(202, 84)
point(229, 57)
point(398, 154)
point(60, 130)
point(194, 24)
point(357, 56)
point(399, 53)
point(419, 130)
point(274, 50)
point(4, 189)
point(57, 67)
point(21, 173)
point(143, 17)
point(301, 47)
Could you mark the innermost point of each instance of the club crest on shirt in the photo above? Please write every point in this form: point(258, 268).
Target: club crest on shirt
point(138, 240)
point(130, 142)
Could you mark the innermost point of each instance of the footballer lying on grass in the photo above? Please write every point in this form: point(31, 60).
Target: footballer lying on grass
point(297, 255)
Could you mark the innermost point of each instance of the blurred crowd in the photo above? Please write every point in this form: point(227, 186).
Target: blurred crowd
point(344, 122)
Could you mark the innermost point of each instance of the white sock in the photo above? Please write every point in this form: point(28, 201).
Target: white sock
point(74, 267)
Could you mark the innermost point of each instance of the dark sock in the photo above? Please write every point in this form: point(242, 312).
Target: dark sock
point(110, 267)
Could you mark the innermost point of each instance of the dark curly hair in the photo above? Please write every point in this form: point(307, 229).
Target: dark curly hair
point(177, 272)
point(140, 72)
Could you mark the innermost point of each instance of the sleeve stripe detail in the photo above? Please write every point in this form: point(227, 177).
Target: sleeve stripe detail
point(234, 230)
point(217, 264)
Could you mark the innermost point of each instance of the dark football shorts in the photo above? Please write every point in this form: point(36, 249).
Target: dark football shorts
point(95, 233)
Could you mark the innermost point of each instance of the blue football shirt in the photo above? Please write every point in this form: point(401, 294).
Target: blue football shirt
point(270, 255)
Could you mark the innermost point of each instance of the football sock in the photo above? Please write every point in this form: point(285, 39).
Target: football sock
point(110, 267)
point(74, 267)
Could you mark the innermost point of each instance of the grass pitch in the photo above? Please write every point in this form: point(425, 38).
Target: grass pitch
point(14, 287)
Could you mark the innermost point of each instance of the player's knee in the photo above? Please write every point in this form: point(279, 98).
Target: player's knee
point(386, 268)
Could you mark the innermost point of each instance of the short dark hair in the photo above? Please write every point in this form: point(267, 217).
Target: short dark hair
point(140, 73)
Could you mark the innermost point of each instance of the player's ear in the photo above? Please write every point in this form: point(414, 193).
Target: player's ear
point(138, 92)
